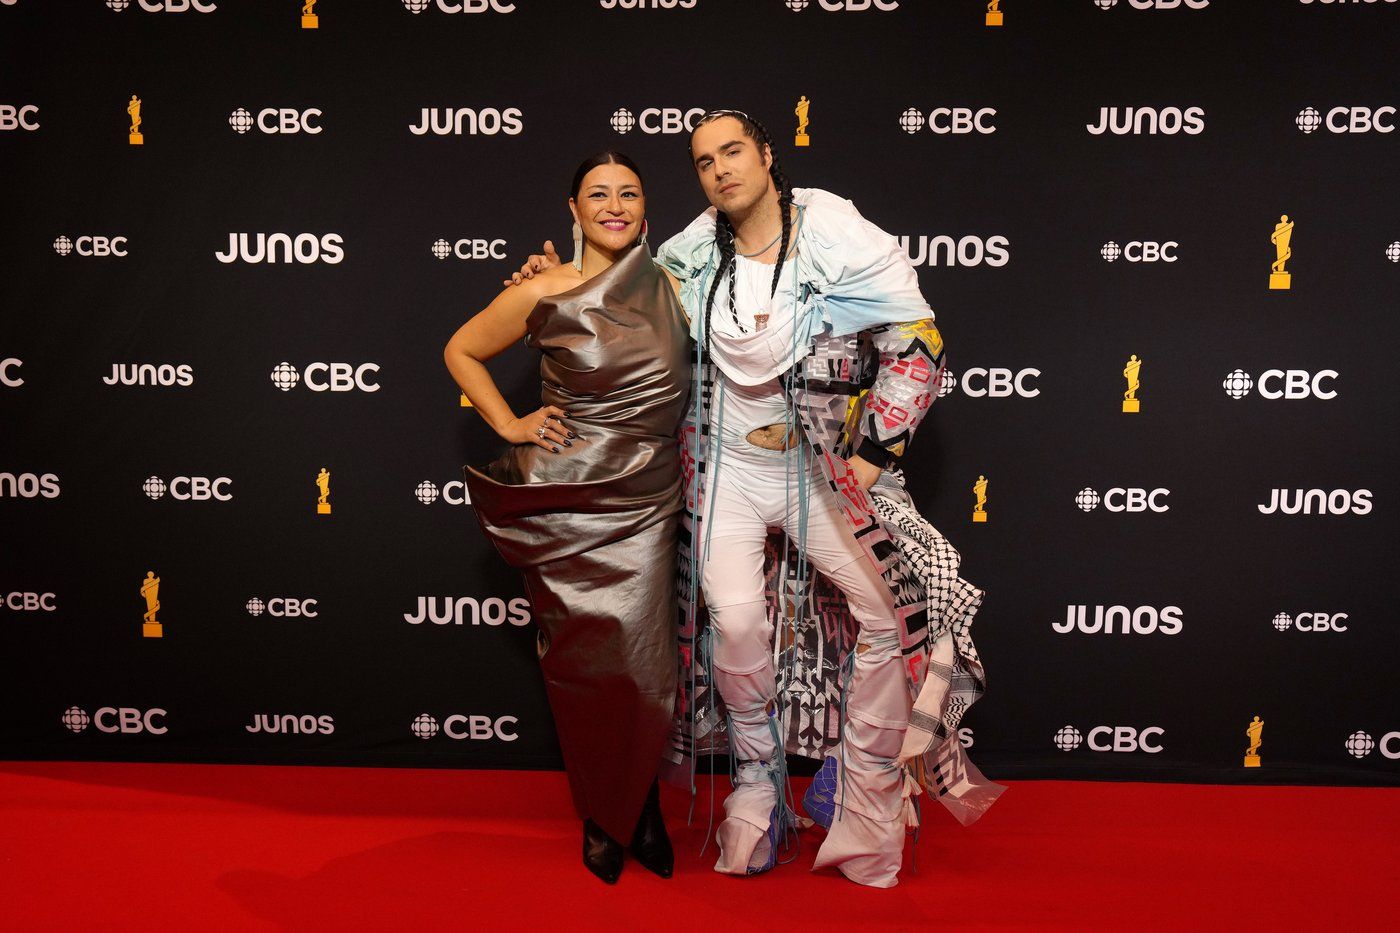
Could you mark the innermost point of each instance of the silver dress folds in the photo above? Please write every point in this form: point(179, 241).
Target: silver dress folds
point(593, 528)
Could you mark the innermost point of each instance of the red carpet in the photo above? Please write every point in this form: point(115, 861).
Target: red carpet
point(228, 847)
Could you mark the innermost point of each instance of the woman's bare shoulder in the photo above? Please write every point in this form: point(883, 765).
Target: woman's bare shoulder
point(552, 281)
point(517, 301)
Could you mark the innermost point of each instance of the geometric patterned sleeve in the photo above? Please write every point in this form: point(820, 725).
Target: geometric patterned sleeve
point(867, 285)
point(907, 382)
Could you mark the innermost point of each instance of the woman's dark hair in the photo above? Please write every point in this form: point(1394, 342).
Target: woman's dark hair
point(724, 230)
point(608, 157)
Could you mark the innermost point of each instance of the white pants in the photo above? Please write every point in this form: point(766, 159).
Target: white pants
point(754, 490)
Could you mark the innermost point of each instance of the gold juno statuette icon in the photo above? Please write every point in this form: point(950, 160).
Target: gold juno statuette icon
point(1282, 235)
point(150, 589)
point(1255, 731)
point(1130, 373)
point(323, 483)
point(133, 135)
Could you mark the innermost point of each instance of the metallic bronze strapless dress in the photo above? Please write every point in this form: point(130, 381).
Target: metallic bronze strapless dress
point(593, 528)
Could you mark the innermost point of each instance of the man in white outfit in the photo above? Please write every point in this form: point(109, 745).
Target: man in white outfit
point(762, 272)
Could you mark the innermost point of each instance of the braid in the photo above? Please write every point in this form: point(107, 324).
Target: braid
point(726, 257)
point(785, 208)
point(724, 240)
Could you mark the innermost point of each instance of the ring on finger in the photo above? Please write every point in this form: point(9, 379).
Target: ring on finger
point(540, 432)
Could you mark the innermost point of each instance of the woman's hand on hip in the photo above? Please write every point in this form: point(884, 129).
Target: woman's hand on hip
point(543, 427)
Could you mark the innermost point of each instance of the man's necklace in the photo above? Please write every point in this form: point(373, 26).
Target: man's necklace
point(760, 320)
point(765, 249)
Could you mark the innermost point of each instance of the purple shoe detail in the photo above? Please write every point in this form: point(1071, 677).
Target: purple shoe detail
point(772, 834)
point(820, 799)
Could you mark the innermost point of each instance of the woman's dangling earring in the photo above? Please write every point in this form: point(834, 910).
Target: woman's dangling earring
point(578, 247)
point(643, 238)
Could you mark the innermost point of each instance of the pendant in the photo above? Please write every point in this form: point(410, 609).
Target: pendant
point(760, 321)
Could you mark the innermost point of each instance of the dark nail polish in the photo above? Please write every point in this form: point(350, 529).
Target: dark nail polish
point(568, 443)
point(556, 450)
point(572, 434)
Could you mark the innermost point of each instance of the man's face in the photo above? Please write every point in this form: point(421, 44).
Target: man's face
point(731, 168)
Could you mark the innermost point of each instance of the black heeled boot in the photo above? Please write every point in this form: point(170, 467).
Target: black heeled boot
point(602, 854)
point(650, 844)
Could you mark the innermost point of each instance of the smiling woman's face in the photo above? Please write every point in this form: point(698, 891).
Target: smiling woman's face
point(610, 206)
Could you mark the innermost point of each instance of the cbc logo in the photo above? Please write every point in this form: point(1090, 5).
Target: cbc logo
point(470, 249)
point(9, 372)
point(656, 120)
point(980, 382)
point(1312, 622)
point(445, 610)
point(165, 6)
point(283, 607)
point(1140, 251)
point(28, 485)
point(1347, 120)
point(1144, 620)
point(1149, 121)
point(91, 246)
point(1360, 744)
point(123, 719)
point(1112, 739)
point(844, 6)
point(189, 488)
point(327, 377)
point(943, 250)
point(1156, 4)
point(277, 121)
point(304, 248)
point(1121, 499)
point(458, 726)
point(28, 602)
point(1282, 383)
point(949, 121)
point(462, 6)
point(487, 121)
point(453, 492)
point(19, 116)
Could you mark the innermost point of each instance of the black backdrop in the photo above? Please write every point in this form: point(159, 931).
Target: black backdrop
point(1032, 207)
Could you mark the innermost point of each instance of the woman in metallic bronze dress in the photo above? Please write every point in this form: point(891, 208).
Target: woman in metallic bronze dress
point(587, 502)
